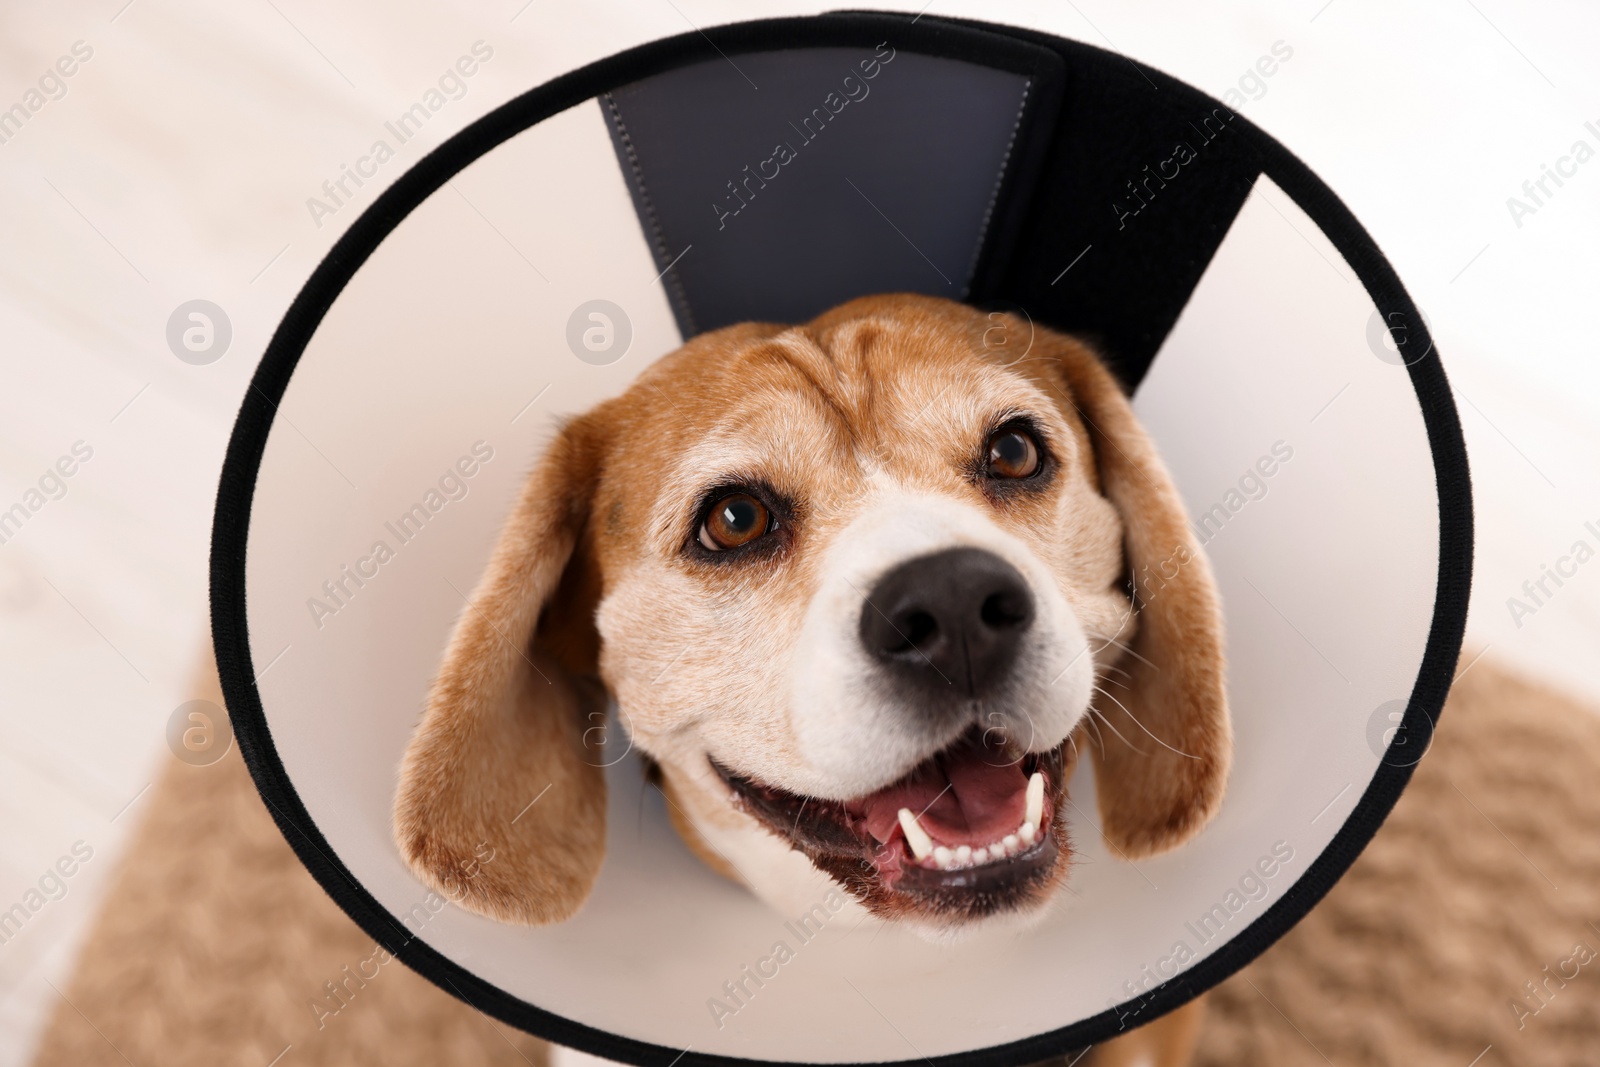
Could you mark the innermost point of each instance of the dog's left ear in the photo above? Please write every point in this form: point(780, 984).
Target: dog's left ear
point(501, 806)
point(1162, 767)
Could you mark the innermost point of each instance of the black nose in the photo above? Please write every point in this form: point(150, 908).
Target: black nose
point(950, 621)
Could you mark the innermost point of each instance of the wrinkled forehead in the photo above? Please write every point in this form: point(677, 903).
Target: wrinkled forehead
point(813, 414)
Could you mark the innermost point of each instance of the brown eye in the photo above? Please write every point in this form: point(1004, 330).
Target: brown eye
point(1013, 453)
point(736, 519)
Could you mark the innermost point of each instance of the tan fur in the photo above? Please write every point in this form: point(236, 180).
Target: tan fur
point(692, 837)
point(1163, 757)
point(498, 799)
point(884, 395)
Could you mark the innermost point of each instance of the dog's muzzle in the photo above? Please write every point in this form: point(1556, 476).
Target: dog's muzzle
point(952, 640)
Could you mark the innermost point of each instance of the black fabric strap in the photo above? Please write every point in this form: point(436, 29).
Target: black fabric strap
point(783, 183)
point(1017, 172)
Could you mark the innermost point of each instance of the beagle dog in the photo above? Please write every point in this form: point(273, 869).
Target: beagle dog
point(863, 591)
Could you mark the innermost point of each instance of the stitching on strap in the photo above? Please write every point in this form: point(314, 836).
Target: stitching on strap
point(994, 197)
point(679, 297)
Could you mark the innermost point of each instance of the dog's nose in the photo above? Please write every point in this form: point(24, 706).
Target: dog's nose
point(948, 621)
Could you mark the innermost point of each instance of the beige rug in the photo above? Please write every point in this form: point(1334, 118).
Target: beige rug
point(215, 944)
point(215, 947)
point(1487, 872)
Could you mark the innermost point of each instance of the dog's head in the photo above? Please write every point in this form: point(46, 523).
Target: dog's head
point(862, 589)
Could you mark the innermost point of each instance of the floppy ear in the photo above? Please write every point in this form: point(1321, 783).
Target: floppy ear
point(501, 807)
point(1162, 765)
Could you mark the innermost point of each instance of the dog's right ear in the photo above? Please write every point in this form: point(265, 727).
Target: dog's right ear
point(501, 806)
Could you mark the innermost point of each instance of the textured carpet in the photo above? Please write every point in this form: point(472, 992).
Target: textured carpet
point(215, 947)
point(1486, 874)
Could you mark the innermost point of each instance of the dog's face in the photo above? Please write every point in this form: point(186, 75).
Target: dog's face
point(860, 589)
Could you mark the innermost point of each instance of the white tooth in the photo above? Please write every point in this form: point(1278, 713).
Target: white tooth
point(980, 857)
point(1027, 833)
point(921, 844)
point(1035, 807)
point(1012, 844)
point(943, 857)
point(964, 854)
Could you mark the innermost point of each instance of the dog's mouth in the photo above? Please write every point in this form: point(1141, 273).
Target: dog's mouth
point(972, 831)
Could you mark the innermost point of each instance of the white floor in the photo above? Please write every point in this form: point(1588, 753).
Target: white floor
point(178, 162)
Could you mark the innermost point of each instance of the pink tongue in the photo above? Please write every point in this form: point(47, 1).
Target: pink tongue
point(967, 795)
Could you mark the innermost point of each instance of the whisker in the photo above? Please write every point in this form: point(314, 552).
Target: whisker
point(1125, 648)
point(1142, 726)
point(1088, 720)
point(1110, 640)
point(1125, 680)
point(1033, 732)
point(1099, 740)
point(1113, 729)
